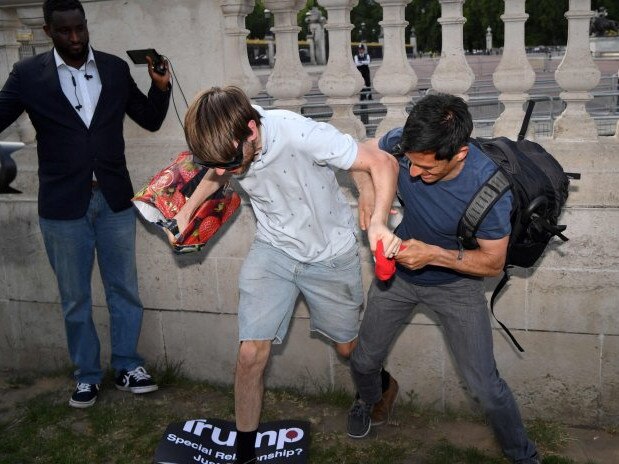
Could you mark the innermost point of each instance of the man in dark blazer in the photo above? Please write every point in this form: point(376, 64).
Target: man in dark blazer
point(77, 99)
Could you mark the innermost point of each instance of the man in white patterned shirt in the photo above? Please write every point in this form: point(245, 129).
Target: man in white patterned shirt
point(305, 240)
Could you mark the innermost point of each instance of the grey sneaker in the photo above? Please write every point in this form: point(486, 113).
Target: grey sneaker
point(359, 419)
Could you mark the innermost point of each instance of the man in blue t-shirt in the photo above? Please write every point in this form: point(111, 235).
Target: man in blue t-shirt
point(439, 173)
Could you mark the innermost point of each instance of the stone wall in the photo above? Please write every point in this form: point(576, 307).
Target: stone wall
point(563, 312)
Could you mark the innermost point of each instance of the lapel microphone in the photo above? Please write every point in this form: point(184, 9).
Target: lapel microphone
point(79, 105)
point(86, 75)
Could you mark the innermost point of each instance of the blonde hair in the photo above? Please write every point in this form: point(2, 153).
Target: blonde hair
point(215, 119)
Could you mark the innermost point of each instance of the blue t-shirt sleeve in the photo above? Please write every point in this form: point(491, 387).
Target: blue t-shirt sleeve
point(389, 141)
point(497, 223)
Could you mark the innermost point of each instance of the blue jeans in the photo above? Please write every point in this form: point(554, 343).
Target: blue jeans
point(462, 311)
point(70, 246)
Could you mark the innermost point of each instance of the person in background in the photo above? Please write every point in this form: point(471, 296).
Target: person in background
point(77, 99)
point(362, 61)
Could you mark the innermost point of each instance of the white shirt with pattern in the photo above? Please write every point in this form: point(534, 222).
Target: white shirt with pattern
point(299, 205)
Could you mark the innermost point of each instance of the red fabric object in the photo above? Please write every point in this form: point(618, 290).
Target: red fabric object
point(385, 267)
point(166, 193)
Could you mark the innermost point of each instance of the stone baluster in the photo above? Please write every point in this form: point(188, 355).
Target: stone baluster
point(395, 78)
point(310, 44)
point(9, 47)
point(514, 75)
point(340, 81)
point(236, 62)
point(617, 128)
point(270, 40)
point(288, 82)
point(577, 75)
point(9, 55)
point(32, 18)
point(452, 74)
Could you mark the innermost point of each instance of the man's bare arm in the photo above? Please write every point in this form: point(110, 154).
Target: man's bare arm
point(486, 261)
point(209, 184)
point(365, 201)
point(383, 170)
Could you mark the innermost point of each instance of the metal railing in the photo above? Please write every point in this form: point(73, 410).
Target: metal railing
point(485, 106)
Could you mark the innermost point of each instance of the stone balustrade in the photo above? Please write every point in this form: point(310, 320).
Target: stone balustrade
point(563, 311)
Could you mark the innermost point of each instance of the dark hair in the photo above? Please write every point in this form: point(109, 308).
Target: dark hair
point(439, 123)
point(49, 6)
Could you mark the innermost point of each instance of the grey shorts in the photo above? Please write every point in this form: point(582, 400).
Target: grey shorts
point(270, 282)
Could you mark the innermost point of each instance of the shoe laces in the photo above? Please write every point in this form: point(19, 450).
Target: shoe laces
point(139, 373)
point(84, 387)
point(360, 409)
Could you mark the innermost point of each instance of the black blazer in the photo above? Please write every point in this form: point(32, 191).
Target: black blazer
point(68, 151)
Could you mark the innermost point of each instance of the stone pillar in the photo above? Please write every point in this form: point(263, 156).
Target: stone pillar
point(514, 75)
point(452, 74)
point(413, 42)
point(395, 78)
point(617, 103)
point(577, 75)
point(9, 55)
point(236, 63)
point(316, 26)
point(288, 82)
point(340, 81)
point(270, 40)
point(9, 47)
point(312, 51)
point(32, 18)
point(489, 40)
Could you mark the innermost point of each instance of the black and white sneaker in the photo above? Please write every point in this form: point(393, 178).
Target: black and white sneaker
point(84, 396)
point(136, 381)
point(359, 419)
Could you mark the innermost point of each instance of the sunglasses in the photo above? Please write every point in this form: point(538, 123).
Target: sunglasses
point(227, 165)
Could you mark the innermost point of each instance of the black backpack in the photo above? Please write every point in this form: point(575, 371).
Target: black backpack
point(539, 187)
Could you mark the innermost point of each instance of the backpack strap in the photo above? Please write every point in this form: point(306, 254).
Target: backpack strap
point(525, 122)
point(479, 206)
point(506, 146)
point(495, 293)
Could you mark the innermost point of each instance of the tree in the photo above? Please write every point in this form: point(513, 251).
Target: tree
point(256, 22)
point(481, 14)
point(546, 24)
point(365, 17)
point(423, 16)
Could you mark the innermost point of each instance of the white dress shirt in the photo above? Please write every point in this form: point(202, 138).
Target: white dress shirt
point(82, 86)
point(299, 205)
